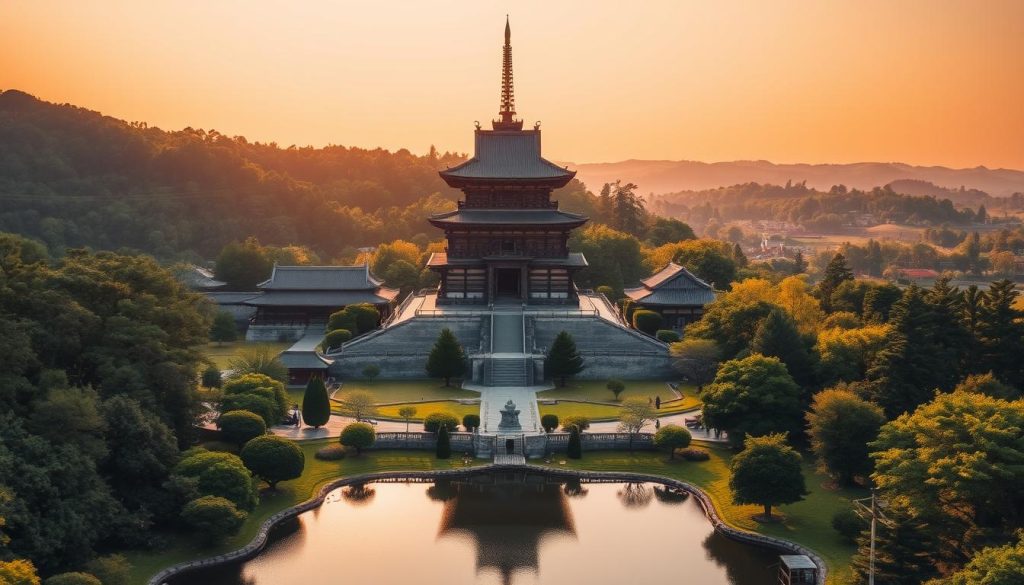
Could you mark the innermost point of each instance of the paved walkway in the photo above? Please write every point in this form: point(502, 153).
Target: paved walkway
point(673, 419)
point(492, 401)
point(334, 426)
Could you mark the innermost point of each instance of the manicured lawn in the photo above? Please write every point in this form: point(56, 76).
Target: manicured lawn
point(316, 472)
point(807, 522)
point(222, 353)
point(425, 408)
point(405, 390)
point(595, 390)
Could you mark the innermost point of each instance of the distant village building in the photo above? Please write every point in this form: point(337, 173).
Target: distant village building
point(916, 274)
point(675, 293)
point(295, 298)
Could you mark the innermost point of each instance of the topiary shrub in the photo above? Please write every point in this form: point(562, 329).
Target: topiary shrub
point(273, 459)
point(316, 405)
point(75, 578)
point(647, 321)
point(259, 393)
point(219, 474)
point(575, 420)
point(444, 443)
point(668, 335)
point(212, 377)
point(366, 316)
point(213, 518)
point(358, 435)
point(334, 339)
point(607, 291)
point(110, 569)
point(672, 437)
point(330, 453)
point(343, 319)
point(575, 447)
point(549, 422)
point(848, 524)
point(470, 422)
point(617, 387)
point(433, 422)
point(694, 454)
point(239, 426)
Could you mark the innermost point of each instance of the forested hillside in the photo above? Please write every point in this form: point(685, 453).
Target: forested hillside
point(73, 177)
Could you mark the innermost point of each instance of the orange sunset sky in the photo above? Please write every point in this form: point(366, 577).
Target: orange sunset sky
point(923, 82)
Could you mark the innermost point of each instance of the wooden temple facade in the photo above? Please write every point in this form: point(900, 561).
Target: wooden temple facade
point(507, 239)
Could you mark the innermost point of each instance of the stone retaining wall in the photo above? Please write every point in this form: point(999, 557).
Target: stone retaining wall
point(260, 540)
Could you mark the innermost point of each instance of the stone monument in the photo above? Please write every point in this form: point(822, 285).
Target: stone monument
point(509, 418)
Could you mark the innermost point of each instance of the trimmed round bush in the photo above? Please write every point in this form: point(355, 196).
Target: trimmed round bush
point(219, 474)
point(75, 578)
point(606, 291)
point(848, 524)
point(330, 453)
point(647, 321)
point(212, 377)
point(433, 421)
point(273, 459)
point(334, 339)
point(470, 422)
point(672, 437)
point(575, 420)
point(549, 422)
point(358, 435)
point(213, 518)
point(343, 319)
point(694, 454)
point(110, 569)
point(240, 426)
point(668, 336)
point(366, 316)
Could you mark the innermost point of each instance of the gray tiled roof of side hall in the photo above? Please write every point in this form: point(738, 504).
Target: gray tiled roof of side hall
point(320, 278)
point(509, 216)
point(508, 155)
point(316, 298)
point(693, 296)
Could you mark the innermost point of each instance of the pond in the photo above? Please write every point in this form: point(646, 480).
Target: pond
point(499, 529)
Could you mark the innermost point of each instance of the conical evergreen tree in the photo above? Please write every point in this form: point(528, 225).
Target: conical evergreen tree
point(447, 359)
point(575, 448)
point(904, 553)
point(799, 263)
point(836, 273)
point(563, 359)
point(1001, 334)
point(738, 256)
point(777, 336)
point(444, 443)
point(316, 405)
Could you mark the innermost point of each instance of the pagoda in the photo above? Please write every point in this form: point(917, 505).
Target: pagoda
point(507, 240)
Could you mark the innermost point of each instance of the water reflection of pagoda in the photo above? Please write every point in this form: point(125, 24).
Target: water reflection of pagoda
point(507, 521)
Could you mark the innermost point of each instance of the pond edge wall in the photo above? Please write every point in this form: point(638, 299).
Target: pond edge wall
point(261, 538)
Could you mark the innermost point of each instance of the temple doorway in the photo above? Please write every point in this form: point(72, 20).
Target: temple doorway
point(510, 446)
point(506, 282)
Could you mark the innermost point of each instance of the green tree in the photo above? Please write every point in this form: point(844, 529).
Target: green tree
point(243, 265)
point(841, 424)
point(563, 359)
point(343, 319)
point(371, 371)
point(617, 387)
point(614, 258)
point(259, 393)
point(647, 321)
point(213, 518)
point(575, 448)
point(471, 422)
point(710, 260)
point(239, 426)
point(987, 384)
point(223, 328)
point(73, 578)
point(904, 550)
point(261, 359)
point(755, 396)
point(634, 414)
point(18, 572)
point(212, 377)
point(433, 422)
point(575, 420)
point(110, 569)
point(273, 459)
point(316, 405)
point(360, 404)
point(334, 338)
point(665, 230)
point(672, 437)
point(836, 273)
point(359, 436)
point(549, 422)
point(997, 565)
point(697, 359)
point(444, 443)
point(767, 472)
point(219, 474)
point(447, 359)
point(777, 336)
point(366, 316)
point(799, 263)
point(1001, 333)
point(730, 322)
point(407, 412)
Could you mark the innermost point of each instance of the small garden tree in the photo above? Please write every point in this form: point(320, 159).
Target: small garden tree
point(575, 420)
point(223, 328)
point(444, 443)
point(668, 335)
point(366, 316)
point(563, 360)
point(755, 395)
point(841, 424)
point(433, 422)
point(240, 426)
point(219, 474)
point(697, 359)
point(360, 404)
point(672, 437)
point(259, 393)
point(407, 412)
point(334, 339)
point(634, 414)
point(359, 436)
point(212, 377)
point(213, 518)
point(471, 422)
point(316, 405)
point(575, 447)
point(767, 472)
point(617, 387)
point(447, 359)
point(549, 422)
point(647, 321)
point(273, 459)
point(371, 371)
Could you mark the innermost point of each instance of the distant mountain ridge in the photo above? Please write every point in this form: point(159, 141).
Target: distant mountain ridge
point(663, 176)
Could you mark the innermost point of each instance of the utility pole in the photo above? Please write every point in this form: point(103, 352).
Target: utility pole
point(872, 511)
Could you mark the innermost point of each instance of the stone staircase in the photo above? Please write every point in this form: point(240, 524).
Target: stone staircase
point(507, 372)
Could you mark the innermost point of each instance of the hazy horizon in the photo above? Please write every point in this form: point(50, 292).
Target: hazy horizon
point(786, 82)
